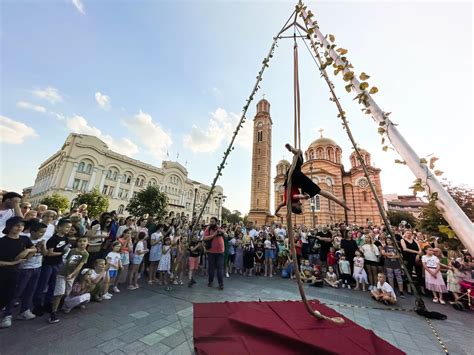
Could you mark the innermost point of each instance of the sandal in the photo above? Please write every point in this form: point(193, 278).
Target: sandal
point(442, 302)
point(435, 300)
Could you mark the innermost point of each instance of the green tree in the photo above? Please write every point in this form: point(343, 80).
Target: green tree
point(225, 214)
point(95, 201)
point(57, 202)
point(149, 201)
point(235, 217)
point(464, 197)
point(430, 219)
point(395, 217)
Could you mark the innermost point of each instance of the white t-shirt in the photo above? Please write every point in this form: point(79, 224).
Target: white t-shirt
point(304, 237)
point(113, 258)
point(4, 216)
point(386, 288)
point(36, 260)
point(371, 252)
point(267, 244)
point(253, 233)
point(431, 261)
point(49, 232)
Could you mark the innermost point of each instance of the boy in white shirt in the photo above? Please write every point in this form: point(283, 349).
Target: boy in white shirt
point(383, 292)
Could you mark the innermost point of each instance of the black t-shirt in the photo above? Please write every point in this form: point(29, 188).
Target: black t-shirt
point(324, 245)
point(195, 253)
point(58, 244)
point(350, 247)
point(10, 248)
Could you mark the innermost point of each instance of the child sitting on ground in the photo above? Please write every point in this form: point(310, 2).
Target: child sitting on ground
point(383, 292)
point(317, 279)
point(306, 271)
point(100, 281)
point(331, 278)
point(307, 186)
point(80, 293)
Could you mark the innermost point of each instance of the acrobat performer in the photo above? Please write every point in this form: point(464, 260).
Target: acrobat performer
point(307, 186)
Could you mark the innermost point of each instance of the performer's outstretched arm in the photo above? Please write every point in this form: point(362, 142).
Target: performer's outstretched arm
point(331, 197)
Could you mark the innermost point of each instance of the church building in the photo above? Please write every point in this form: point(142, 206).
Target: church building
point(323, 165)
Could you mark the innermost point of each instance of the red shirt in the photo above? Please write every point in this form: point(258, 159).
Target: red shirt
point(331, 259)
point(294, 191)
point(217, 243)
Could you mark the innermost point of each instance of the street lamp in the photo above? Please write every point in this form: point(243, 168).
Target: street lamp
point(196, 187)
point(219, 200)
point(312, 202)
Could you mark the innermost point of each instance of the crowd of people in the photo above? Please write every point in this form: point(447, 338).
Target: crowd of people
point(51, 262)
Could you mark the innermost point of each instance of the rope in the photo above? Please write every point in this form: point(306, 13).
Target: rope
point(296, 99)
point(289, 224)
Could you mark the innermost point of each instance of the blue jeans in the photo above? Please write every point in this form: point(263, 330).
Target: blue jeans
point(27, 281)
point(216, 261)
point(45, 289)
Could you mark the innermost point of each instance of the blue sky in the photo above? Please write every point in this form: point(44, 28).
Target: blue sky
point(152, 76)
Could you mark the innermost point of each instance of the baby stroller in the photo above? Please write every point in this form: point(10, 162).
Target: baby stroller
point(465, 300)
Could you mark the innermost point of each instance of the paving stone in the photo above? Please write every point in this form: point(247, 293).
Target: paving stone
point(134, 347)
point(186, 312)
point(131, 335)
point(154, 326)
point(167, 331)
point(110, 334)
point(174, 340)
point(182, 349)
point(127, 326)
point(152, 339)
point(140, 314)
point(117, 352)
point(111, 345)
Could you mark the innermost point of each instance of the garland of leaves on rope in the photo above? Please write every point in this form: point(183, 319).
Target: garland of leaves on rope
point(241, 122)
point(342, 115)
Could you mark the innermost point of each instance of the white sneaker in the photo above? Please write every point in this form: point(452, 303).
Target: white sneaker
point(227, 274)
point(343, 285)
point(349, 287)
point(107, 296)
point(6, 322)
point(116, 289)
point(26, 315)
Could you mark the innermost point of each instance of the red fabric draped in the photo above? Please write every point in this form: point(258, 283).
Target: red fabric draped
point(282, 327)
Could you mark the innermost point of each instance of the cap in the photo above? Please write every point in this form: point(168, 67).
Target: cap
point(9, 195)
point(13, 221)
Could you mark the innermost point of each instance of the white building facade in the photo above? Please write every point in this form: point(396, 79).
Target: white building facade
point(85, 162)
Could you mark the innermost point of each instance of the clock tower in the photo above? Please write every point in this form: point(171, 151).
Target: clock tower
point(261, 165)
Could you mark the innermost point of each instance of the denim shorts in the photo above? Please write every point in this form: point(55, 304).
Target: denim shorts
point(268, 254)
point(113, 273)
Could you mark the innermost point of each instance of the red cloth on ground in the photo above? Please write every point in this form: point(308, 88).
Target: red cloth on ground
point(282, 327)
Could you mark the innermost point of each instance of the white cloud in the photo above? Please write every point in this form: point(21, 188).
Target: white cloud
point(79, 6)
point(14, 132)
point(150, 134)
point(125, 146)
point(219, 128)
point(29, 106)
point(50, 94)
point(59, 116)
point(102, 100)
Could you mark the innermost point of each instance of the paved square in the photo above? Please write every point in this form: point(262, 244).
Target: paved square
point(151, 320)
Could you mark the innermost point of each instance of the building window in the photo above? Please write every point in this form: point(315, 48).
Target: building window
point(75, 186)
point(135, 193)
point(258, 184)
point(258, 151)
point(83, 185)
point(89, 168)
point(257, 201)
point(258, 167)
point(364, 193)
point(120, 209)
point(317, 203)
point(104, 190)
point(120, 194)
point(259, 136)
point(111, 190)
point(81, 167)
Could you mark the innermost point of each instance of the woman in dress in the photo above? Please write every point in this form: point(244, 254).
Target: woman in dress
point(239, 254)
point(411, 255)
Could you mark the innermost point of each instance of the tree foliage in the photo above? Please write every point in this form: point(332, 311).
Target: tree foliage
point(430, 219)
point(464, 197)
point(57, 202)
point(149, 201)
point(233, 217)
point(95, 201)
point(396, 217)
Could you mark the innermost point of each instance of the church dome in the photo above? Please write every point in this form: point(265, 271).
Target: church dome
point(283, 162)
point(263, 106)
point(324, 148)
point(365, 155)
point(322, 141)
point(282, 167)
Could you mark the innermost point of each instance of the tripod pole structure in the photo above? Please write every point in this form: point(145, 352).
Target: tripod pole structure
point(453, 214)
